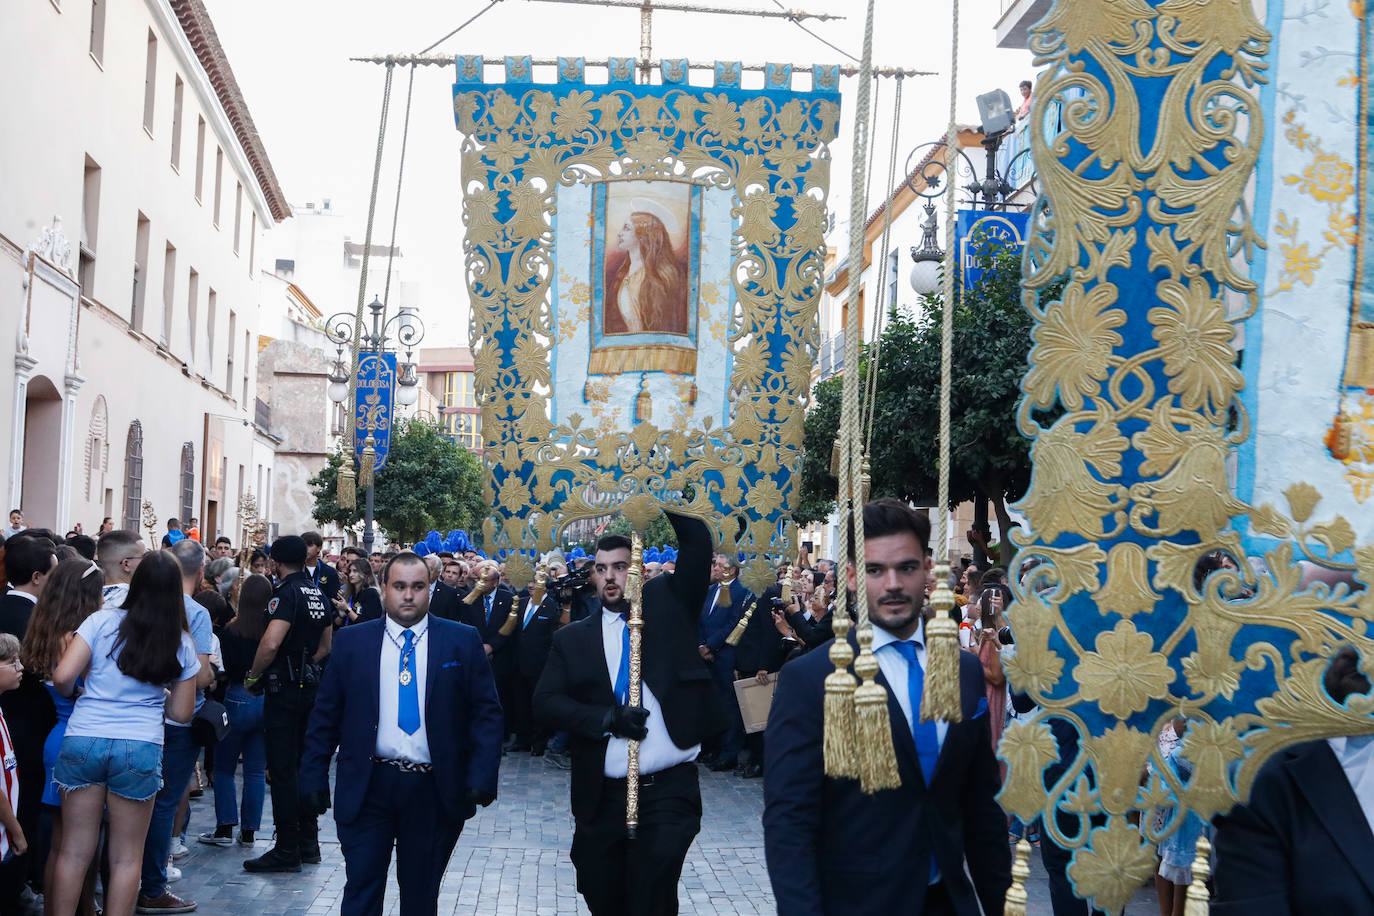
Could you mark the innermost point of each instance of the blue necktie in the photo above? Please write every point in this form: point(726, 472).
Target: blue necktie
point(408, 709)
point(926, 736)
point(489, 603)
point(622, 678)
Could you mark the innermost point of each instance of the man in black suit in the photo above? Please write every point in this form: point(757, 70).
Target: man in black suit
point(585, 690)
point(832, 849)
point(533, 641)
point(444, 600)
point(1304, 843)
point(29, 560)
point(486, 608)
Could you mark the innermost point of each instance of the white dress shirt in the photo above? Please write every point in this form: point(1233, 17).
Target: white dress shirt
point(894, 667)
point(391, 741)
point(657, 751)
point(1358, 764)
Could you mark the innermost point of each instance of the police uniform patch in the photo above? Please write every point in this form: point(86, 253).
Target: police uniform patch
point(272, 606)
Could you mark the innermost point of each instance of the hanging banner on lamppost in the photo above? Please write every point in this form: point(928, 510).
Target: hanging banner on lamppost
point(977, 230)
point(374, 405)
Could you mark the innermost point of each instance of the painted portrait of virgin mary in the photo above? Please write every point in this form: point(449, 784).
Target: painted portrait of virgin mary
point(646, 275)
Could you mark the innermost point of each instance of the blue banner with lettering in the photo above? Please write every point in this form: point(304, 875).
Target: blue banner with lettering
point(976, 229)
point(375, 404)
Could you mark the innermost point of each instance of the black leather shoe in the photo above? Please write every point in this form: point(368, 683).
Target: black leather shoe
point(310, 854)
point(275, 859)
point(752, 771)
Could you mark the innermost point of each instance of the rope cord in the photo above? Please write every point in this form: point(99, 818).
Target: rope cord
point(367, 248)
point(850, 417)
point(941, 545)
point(797, 22)
point(874, 104)
point(396, 211)
point(881, 304)
point(475, 16)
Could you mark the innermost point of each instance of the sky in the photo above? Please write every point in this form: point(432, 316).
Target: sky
point(318, 112)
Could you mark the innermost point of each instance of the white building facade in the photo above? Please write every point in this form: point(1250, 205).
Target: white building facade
point(134, 193)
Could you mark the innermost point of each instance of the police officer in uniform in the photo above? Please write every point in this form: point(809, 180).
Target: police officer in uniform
point(287, 669)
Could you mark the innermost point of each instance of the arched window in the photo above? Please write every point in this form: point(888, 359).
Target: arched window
point(133, 476)
point(97, 450)
point(188, 483)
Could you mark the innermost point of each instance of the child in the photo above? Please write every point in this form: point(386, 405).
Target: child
point(12, 840)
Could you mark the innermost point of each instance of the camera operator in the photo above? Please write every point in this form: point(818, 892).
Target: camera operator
point(812, 608)
point(287, 669)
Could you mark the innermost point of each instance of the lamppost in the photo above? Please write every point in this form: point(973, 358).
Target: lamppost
point(406, 328)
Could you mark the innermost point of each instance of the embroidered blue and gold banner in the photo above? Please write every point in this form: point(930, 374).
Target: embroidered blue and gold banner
point(644, 264)
point(374, 405)
point(1199, 533)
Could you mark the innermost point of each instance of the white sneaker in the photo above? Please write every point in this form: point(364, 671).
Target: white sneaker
point(179, 849)
point(173, 873)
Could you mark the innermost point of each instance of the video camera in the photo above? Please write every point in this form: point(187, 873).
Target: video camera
point(566, 588)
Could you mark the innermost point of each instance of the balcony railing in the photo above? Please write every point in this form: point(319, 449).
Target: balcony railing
point(832, 355)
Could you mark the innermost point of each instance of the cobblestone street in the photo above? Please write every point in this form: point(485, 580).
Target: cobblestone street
point(513, 858)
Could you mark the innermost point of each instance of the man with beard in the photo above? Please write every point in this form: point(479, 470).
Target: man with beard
point(832, 849)
point(419, 743)
point(585, 691)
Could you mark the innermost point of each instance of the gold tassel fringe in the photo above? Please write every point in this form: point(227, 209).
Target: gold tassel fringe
point(1197, 903)
point(940, 695)
point(723, 593)
point(872, 725)
point(513, 617)
point(838, 744)
point(1017, 898)
point(368, 465)
point(347, 495)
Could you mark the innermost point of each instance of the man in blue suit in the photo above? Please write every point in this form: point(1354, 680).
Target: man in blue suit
point(409, 703)
point(724, 605)
point(832, 849)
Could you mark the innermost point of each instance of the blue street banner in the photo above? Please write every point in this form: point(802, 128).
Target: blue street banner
point(974, 230)
point(374, 405)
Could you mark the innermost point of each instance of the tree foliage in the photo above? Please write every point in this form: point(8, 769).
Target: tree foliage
point(429, 482)
point(988, 456)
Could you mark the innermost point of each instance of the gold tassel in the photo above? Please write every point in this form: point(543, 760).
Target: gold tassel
point(872, 725)
point(1017, 898)
point(940, 694)
point(866, 480)
point(368, 465)
point(644, 407)
point(723, 593)
point(486, 582)
point(738, 632)
point(1197, 902)
point(347, 496)
point(536, 598)
point(840, 759)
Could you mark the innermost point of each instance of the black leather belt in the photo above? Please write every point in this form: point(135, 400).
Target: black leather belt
point(671, 774)
point(405, 766)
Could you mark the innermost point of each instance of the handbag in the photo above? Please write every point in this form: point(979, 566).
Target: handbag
point(211, 724)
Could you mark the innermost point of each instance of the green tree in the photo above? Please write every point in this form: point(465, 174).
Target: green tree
point(988, 456)
point(428, 482)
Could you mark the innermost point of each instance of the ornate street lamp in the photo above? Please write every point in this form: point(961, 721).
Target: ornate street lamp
point(925, 273)
point(407, 330)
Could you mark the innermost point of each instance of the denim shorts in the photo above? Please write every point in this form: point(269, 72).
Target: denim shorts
point(129, 769)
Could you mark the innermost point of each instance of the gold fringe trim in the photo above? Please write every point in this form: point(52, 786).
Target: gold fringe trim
point(940, 695)
point(367, 467)
point(872, 725)
point(647, 358)
point(1197, 901)
point(723, 594)
point(1017, 898)
point(838, 742)
point(346, 494)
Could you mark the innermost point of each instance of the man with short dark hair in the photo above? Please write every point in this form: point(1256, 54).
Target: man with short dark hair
point(409, 703)
point(919, 844)
point(286, 667)
point(118, 553)
point(585, 690)
point(28, 563)
point(224, 548)
point(83, 544)
point(174, 532)
point(325, 577)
